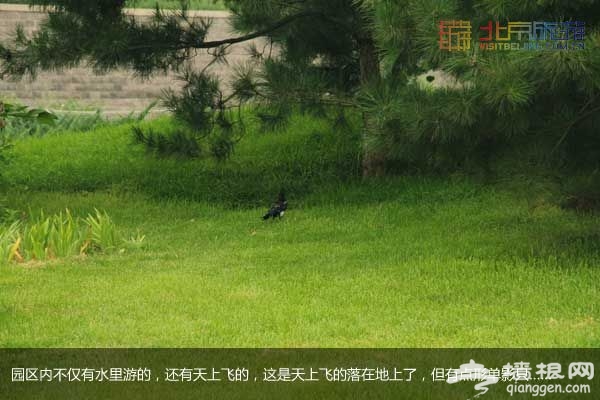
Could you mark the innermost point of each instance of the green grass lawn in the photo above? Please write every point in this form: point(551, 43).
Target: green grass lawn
point(391, 263)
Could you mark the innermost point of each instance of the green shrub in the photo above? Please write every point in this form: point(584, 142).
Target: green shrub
point(58, 236)
point(35, 243)
point(102, 233)
point(8, 238)
point(65, 236)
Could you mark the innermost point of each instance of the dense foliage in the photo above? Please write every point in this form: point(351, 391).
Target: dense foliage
point(539, 106)
point(529, 107)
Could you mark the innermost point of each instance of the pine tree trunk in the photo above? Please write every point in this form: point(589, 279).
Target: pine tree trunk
point(373, 162)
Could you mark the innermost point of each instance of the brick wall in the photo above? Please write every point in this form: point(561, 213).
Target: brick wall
point(116, 92)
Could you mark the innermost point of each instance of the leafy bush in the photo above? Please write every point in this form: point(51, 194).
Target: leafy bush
point(52, 237)
point(57, 236)
point(102, 232)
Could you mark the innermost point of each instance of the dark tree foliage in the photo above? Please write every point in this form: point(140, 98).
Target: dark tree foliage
point(326, 56)
point(528, 107)
point(323, 61)
point(531, 105)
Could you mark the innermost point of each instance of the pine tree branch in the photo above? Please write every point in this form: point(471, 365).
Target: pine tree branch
point(231, 41)
point(263, 32)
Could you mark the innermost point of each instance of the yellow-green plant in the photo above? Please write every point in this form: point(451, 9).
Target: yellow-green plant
point(102, 231)
point(136, 241)
point(66, 238)
point(36, 239)
point(8, 237)
point(60, 235)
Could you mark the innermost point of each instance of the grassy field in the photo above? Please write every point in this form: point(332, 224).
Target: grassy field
point(390, 263)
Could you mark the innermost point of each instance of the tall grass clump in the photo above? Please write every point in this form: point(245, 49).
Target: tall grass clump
point(52, 237)
point(102, 232)
point(8, 238)
point(58, 236)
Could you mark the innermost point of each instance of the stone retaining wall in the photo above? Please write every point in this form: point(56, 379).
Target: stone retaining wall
point(116, 92)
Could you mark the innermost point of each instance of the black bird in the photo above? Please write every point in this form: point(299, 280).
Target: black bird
point(278, 209)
